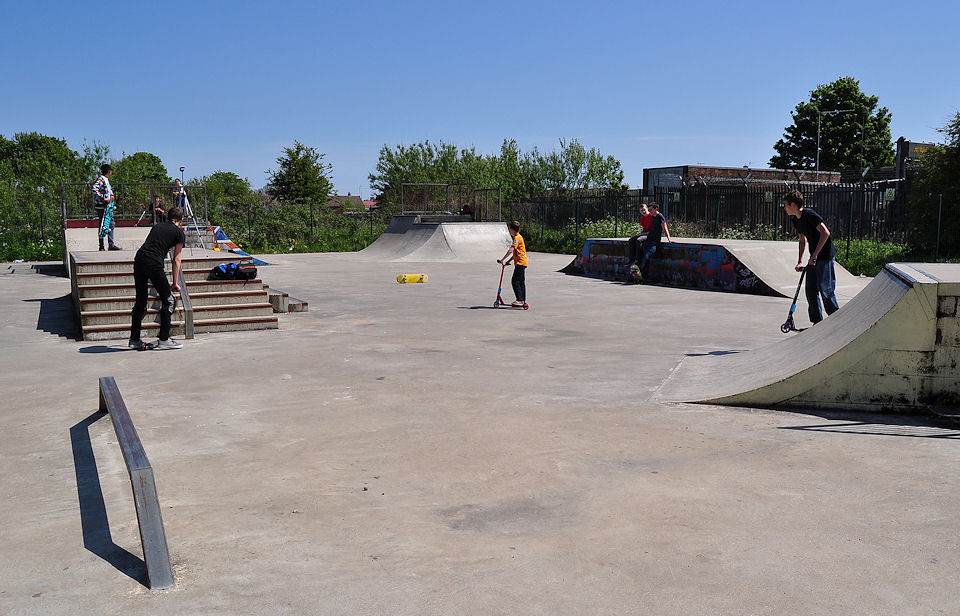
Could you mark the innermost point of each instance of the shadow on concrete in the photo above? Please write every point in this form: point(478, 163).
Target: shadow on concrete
point(58, 317)
point(104, 349)
point(93, 512)
point(913, 426)
point(50, 269)
point(730, 352)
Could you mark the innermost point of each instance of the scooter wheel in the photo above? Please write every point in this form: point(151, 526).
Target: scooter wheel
point(496, 304)
point(526, 306)
point(786, 327)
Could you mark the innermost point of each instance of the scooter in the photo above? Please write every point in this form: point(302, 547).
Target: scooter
point(788, 325)
point(500, 301)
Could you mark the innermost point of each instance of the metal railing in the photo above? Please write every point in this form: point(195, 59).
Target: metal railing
point(152, 537)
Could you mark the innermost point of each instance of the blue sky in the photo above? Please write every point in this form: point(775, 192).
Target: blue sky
point(226, 85)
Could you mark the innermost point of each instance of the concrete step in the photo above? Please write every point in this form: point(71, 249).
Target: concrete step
point(186, 262)
point(126, 277)
point(204, 286)
point(125, 302)
point(224, 311)
point(201, 326)
point(283, 303)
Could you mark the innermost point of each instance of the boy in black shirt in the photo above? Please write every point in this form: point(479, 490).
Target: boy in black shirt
point(148, 266)
point(821, 279)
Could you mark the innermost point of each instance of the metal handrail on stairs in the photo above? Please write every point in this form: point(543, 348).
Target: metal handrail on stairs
point(185, 303)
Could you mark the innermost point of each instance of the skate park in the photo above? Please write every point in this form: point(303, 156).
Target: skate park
point(409, 449)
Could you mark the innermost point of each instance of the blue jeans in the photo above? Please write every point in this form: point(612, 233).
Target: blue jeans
point(648, 249)
point(821, 282)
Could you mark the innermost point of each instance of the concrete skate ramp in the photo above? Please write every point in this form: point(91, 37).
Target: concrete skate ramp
point(407, 239)
point(742, 266)
point(894, 346)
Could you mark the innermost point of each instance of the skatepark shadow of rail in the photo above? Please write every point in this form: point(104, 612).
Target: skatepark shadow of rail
point(910, 426)
point(93, 512)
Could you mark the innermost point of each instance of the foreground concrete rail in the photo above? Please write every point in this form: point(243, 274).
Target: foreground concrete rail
point(152, 537)
point(895, 346)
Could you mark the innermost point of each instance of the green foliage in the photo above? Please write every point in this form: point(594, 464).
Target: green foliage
point(854, 133)
point(139, 167)
point(32, 166)
point(94, 155)
point(225, 191)
point(517, 174)
point(302, 176)
point(935, 198)
point(868, 257)
point(272, 227)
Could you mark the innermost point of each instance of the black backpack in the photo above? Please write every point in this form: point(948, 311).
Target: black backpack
point(245, 270)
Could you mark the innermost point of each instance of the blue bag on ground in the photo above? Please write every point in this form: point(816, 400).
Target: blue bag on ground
point(245, 270)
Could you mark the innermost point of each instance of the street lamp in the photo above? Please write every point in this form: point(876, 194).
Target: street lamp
point(819, 115)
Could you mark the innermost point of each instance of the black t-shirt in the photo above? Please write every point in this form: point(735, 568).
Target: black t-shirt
point(163, 236)
point(656, 229)
point(806, 226)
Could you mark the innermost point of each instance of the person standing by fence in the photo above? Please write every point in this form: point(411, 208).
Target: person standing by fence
point(104, 203)
point(821, 279)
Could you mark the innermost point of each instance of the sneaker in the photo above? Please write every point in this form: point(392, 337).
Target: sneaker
point(169, 343)
point(114, 247)
point(517, 303)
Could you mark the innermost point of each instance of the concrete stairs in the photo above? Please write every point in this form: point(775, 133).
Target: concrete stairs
point(104, 292)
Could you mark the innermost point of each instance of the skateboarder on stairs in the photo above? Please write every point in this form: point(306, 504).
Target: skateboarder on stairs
point(148, 267)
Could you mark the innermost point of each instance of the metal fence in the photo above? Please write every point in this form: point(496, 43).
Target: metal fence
point(860, 211)
point(133, 199)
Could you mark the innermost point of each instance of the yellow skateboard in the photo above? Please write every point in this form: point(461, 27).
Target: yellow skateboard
point(405, 278)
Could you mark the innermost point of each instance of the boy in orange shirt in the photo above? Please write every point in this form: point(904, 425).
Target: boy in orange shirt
point(518, 253)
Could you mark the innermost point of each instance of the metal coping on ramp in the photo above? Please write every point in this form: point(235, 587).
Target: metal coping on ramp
point(408, 239)
point(894, 347)
point(739, 266)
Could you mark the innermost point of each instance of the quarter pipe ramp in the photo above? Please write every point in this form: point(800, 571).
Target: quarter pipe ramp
point(894, 346)
point(407, 239)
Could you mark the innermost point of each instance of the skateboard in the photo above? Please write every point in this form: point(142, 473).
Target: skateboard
point(107, 220)
point(405, 278)
point(145, 346)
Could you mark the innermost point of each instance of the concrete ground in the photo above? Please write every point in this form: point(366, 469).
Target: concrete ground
point(406, 449)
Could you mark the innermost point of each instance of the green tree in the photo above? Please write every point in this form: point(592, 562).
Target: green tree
point(302, 176)
point(935, 195)
point(36, 164)
point(854, 132)
point(517, 174)
point(94, 155)
point(140, 167)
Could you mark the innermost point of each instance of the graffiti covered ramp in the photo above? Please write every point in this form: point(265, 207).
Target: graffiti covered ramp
point(406, 239)
point(773, 263)
point(741, 266)
point(894, 346)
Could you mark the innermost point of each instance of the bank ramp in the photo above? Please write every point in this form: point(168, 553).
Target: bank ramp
point(894, 346)
point(741, 266)
point(410, 239)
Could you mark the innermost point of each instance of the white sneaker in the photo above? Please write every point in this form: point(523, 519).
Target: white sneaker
point(169, 343)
